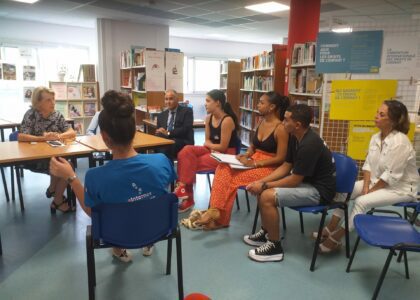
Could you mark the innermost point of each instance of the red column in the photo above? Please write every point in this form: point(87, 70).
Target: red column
point(303, 25)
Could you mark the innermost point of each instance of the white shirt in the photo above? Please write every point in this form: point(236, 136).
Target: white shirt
point(394, 161)
point(94, 125)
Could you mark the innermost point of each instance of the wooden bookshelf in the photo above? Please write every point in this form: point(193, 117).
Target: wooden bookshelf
point(78, 101)
point(148, 92)
point(230, 82)
point(305, 85)
point(259, 74)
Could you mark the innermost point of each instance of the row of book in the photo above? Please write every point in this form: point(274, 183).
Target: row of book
point(223, 82)
point(305, 80)
point(264, 60)
point(247, 101)
point(314, 104)
point(74, 91)
point(224, 67)
point(245, 137)
point(304, 53)
point(76, 109)
point(246, 119)
point(136, 56)
point(261, 83)
point(140, 81)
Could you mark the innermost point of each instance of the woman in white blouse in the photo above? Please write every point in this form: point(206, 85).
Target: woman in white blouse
point(390, 174)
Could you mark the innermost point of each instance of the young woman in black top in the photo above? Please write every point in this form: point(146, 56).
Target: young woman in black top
point(221, 136)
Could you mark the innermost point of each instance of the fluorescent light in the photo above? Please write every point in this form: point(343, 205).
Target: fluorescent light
point(27, 1)
point(268, 7)
point(217, 35)
point(342, 29)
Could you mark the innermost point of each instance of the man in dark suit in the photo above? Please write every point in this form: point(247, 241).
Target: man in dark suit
point(175, 123)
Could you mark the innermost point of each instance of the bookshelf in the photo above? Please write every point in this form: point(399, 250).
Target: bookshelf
point(78, 101)
point(145, 74)
point(259, 74)
point(305, 85)
point(230, 82)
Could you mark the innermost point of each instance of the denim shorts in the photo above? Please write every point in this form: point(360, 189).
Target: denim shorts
point(302, 195)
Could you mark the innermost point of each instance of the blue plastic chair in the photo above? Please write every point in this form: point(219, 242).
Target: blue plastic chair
point(391, 233)
point(1, 247)
point(346, 174)
point(134, 225)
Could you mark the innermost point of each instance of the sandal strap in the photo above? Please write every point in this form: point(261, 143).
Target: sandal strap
point(58, 205)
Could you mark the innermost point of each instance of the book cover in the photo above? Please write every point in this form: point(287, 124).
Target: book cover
point(89, 91)
point(78, 127)
point(229, 159)
point(75, 110)
point(27, 93)
point(73, 91)
point(59, 89)
point(9, 72)
point(29, 73)
point(61, 107)
point(89, 109)
point(1, 71)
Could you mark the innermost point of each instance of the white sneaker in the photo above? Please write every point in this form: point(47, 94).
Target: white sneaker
point(125, 255)
point(148, 250)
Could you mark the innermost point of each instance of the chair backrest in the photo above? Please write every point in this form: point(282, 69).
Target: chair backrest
point(238, 145)
point(346, 173)
point(135, 224)
point(13, 137)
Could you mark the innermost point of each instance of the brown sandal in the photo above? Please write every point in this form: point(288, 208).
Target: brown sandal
point(212, 214)
point(54, 206)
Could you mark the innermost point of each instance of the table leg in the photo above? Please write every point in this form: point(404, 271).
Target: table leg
point(3, 177)
point(22, 206)
point(2, 134)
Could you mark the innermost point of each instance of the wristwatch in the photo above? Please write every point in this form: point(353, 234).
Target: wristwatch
point(71, 179)
point(264, 186)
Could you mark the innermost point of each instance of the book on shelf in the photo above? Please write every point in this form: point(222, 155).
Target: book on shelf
point(136, 56)
point(247, 63)
point(89, 91)
point(313, 81)
point(88, 73)
point(78, 127)
point(224, 67)
point(263, 61)
point(303, 53)
point(172, 50)
point(61, 107)
point(9, 72)
point(75, 110)
point(73, 91)
point(89, 109)
point(154, 109)
point(229, 159)
point(60, 90)
point(246, 119)
point(246, 100)
point(223, 82)
point(140, 81)
point(248, 82)
point(263, 83)
point(29, 73)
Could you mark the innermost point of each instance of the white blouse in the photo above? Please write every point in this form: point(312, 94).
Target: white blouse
point(394, 161)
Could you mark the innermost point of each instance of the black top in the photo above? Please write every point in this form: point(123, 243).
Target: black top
point(183, 125)
point(312, 158)
point(268, 145)
point(216, 134)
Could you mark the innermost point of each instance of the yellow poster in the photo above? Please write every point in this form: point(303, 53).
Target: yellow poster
point(360, 133)
point(359, 99)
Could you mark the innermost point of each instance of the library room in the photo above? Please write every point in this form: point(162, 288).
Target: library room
point(195, 115)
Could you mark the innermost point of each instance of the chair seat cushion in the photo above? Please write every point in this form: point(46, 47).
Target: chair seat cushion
point(407, 204)
point(385, 232)
point(314, 209)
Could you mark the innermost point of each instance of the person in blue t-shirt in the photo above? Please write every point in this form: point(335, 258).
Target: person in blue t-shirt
point(129, 176)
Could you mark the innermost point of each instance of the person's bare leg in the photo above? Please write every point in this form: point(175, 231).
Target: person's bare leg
point(270, 218)
point(60, 187)
point(53, 182)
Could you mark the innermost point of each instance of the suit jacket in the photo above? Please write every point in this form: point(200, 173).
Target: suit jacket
point(183, 126)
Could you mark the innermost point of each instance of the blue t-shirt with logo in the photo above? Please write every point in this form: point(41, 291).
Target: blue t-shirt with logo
point(144, 176)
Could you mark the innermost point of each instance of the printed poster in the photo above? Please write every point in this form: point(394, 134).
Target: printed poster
point(359, 99)
point(9, 72)
point(400, 57)
point(155, 71)
point(27, 94)
point(174, 71)
point(28, 73)
point(360, 133)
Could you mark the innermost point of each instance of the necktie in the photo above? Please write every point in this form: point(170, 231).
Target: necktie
point(171, 121)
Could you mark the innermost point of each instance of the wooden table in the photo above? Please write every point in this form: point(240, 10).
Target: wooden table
point(141, 142)
point(153, 124)
point(14, 153)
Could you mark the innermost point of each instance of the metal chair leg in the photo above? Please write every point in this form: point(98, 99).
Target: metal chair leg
point(318, 241)
point(353, 254)
point(247, 201)
point(209, 181)
point(237, 202)
point(283, 218)
point(90, 255)
point(179, 265)
point(22, 206)
point(12, 183)
point(169, 257)
point(301, 223)
point(1, 247)
point(407, 274)
point(383, 273)
point(257, 212)
point(346, 229)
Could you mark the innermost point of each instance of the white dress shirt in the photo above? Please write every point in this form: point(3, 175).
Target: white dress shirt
point(394, 161)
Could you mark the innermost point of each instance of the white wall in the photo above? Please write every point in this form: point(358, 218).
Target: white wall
point(116, 36)
point(38, 33)
point(216, 48)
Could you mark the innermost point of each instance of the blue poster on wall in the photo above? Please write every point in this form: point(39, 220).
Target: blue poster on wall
point(354, 52)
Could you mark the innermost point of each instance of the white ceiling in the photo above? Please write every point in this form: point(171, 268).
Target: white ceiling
point(206, 19)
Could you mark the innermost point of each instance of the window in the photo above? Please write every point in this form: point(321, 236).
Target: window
point(45, 62)
point(201, 75)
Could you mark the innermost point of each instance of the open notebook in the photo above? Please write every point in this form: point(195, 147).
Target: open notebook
point(229, 159)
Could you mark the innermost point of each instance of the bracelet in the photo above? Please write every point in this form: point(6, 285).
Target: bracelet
point(255, 164)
